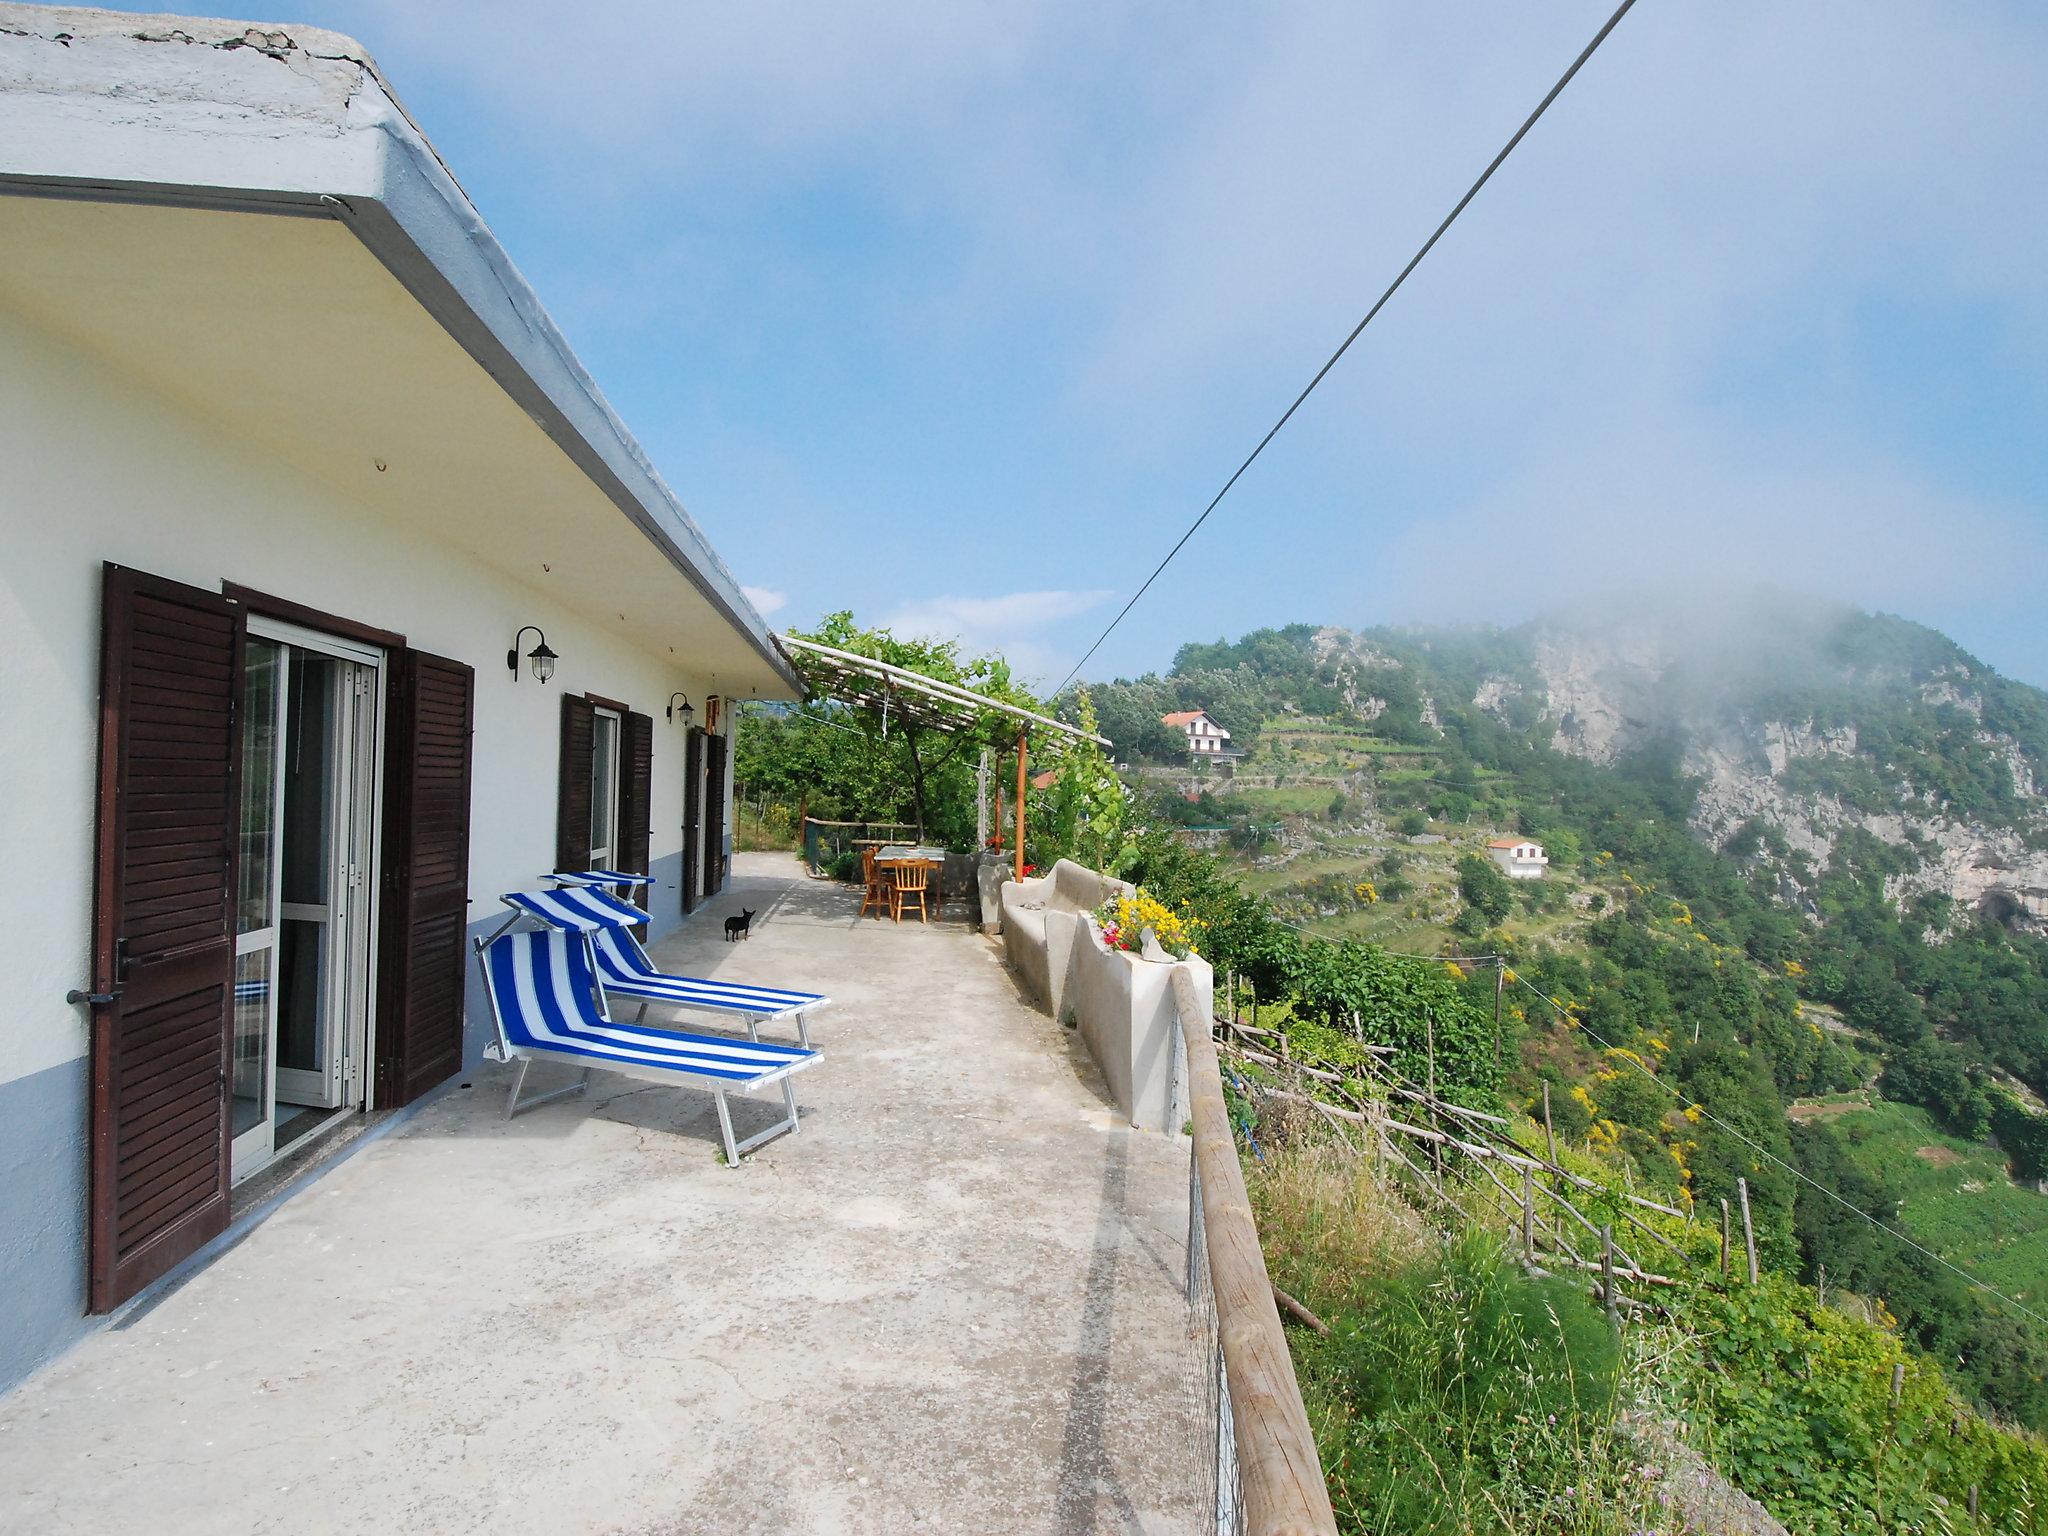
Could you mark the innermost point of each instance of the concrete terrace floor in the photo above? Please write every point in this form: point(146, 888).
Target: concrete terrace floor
point(950, 1304)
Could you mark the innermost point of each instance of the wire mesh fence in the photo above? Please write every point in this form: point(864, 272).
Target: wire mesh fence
point(1223, 1489)
point(827, 843)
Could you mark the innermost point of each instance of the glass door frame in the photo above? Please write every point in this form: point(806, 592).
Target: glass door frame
point(609, 724)
point(357, 836)
point(253, 1148)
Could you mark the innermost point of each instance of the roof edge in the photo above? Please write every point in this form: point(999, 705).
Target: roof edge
point(216, 123)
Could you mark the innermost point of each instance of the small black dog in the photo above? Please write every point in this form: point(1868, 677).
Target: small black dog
point(737, 927)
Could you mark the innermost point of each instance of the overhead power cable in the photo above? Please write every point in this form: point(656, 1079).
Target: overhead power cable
point(1413, 262)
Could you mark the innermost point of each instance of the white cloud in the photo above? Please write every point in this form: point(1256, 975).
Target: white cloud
point(1657, 506)
point(1012, 624)
point(766, 600)
point(1687, 322)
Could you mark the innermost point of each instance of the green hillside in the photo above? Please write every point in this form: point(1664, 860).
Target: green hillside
point(1747, 968)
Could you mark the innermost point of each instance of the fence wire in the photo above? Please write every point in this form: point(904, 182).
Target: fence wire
point(1225, 1493)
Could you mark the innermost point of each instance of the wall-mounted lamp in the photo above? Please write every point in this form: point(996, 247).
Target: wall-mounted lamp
point(542, 658)
point(687, 710)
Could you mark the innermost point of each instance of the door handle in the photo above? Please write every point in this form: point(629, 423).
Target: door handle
point(95, 999)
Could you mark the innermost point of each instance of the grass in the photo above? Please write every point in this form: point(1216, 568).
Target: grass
point(1954, 1194)
point(1402, 923)
point(1289, 800)
point(1453, 1394)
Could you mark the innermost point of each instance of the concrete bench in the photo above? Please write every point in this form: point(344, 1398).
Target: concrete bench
point(1040, 918)
point(1122, 1003)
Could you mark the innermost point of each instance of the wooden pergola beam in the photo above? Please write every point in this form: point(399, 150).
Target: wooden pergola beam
point(853, 673)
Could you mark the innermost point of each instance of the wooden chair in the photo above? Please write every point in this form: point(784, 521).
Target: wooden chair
point(910, 880)
point(875, 883)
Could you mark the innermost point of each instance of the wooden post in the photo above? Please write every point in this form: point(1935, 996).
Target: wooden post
point(1748, 1229)
point(1549, 1135)
point(1500, 980)
point(1724, 1240)
point(1022, 754)
point(1528, 1214)
point(1436, 1148)
point(1280, 1473)
point(1973, 1501)
point(1607, 1278)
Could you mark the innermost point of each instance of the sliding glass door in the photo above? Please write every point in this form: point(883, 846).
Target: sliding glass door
point(303, 950)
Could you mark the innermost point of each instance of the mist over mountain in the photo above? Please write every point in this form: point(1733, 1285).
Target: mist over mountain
point(1783, 724)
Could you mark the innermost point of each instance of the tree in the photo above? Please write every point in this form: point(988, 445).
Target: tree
point(933, 762)
point(1086, 815)
point(1484, 887)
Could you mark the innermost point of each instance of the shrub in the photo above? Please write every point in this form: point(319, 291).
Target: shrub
point(1455, 1394)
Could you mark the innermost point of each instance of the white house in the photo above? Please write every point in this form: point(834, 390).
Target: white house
point(335, 602)
point(1520, 858)
point(1204, 736)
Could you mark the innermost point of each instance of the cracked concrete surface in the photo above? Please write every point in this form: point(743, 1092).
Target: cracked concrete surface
point(951, 1303)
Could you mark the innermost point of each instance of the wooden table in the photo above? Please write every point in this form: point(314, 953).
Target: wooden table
point(899, 854)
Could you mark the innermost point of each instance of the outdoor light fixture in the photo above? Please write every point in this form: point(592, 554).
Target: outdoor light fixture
point(687, 711)
point(542, 658)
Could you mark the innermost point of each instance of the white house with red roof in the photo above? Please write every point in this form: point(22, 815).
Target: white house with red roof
point(1205, 737)
point(1520, 858)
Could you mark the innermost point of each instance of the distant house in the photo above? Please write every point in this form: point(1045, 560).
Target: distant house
point(1204, 736)
point(1518, 857)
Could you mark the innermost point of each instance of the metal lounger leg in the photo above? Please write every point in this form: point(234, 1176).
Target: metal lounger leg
point(784, 1127)
point(803, 1031)
point(512, 1104)
point(787, 1126)
point(512, 1093)
point(732, 1153)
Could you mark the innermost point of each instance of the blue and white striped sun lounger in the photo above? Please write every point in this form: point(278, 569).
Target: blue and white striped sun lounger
point(579, 908)
point(625, 971)
point(543, 998)
point(600, 877)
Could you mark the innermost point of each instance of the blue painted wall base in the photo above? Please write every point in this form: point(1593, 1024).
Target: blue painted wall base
point(43, 1155)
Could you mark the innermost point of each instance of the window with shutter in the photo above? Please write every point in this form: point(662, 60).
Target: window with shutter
point(163, 927)
point(714, 815)
point(693, 818)
point(425, 911)
point(573, 799)
point(636, 790)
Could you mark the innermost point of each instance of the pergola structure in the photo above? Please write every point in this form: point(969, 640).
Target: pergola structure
point(922, 701)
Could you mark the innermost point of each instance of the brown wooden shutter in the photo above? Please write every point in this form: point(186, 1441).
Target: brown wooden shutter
point(421, 959)
point(693, 803)
point(714, 815)
point(636, 791)
point(163, 927)
point(572, 790)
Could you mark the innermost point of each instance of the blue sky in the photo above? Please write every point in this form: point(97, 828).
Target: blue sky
point(954, 313)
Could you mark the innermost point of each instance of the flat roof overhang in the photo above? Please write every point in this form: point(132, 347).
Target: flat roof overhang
point(245, 219)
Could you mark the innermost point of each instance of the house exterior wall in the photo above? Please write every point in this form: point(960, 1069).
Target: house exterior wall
point(1524, 861)
point(1205, 735)
point(98, 469)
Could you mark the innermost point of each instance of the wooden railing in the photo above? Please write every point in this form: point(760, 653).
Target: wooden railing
point(1280, 1476)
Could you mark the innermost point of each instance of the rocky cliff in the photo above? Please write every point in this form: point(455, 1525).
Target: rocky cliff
point(1800, 723)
